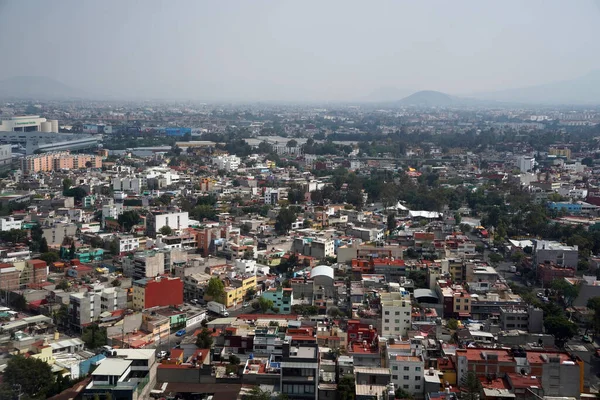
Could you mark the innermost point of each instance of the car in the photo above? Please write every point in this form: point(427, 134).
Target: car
point(162, 354)
point(180, 332)
point(586, 339)
point(194, 301)
point(246, 304)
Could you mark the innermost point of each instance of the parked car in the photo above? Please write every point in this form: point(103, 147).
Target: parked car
point(586, 339)
point(246, 304)
point(162, 354)
point(180, 332)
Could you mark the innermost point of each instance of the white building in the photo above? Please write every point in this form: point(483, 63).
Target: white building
point(396, 313)
point(271, 196)
point(407, 372)
point(174, 220)
point(228, 163)
point(5, 154)
point(526, 163)
point(245, 267)
point(8, 223)
point(29, 123)
point(111, 210)
point(127, 184)
point(128, 243)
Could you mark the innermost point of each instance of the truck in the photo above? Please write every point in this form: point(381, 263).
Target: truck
point(217, 308)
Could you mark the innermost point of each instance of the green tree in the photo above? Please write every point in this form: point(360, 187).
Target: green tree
point(346, 388)
point(265, 304)
point(234, 360)
point(14, 236)
point(72, 250)
point(166, 230)
point(94, 336)
point(129, 219)
point(49, 257)
point(67, 183)
point(97, 242)
point(63, 284)
point(457, 218)
point(452, 324)
point(495, 258)
point(402, 394)
point(284, 220)
point(391, 223)
point(256, 393)
point(116, 283)
point(594, 305)
point(114, 247)
point(203, 211)
point(204, 339)
point(43, 245)
point(568, 291)
point(33, 375)
point(471, 386)
point(216, 289)
point(250, 293)
point(561, 328)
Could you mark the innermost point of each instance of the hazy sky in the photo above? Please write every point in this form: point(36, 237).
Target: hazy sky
point(297, 50)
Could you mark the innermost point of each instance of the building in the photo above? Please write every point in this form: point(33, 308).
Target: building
point(56, 234)
point(245, 267)
point(56, 161)
point(8, 223)
point(407, 372)
point(557, 253)
point(528, 318)
point(144, 264)
point(227, 162)
point(5, 154)
point(547, 272)
point(236, 291)
point(159, 291)
point(396, 310)
point(282, 298)
point(300, 371)
point(86, 307)
point(127, 243)
point(319, 248)
point(127, 184)
point(174, 220)
point(29, 123)
point(560, 152)
point(526, 163)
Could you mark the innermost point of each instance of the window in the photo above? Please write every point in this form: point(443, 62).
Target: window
point(406, 377)
point(417, 369)
point(387, 313)
point(395, 377)
point(387, 321)
point(417, 387)
point(397, 329)
point(466, 308)
point(397, 321)
point(407, 368)
point(397, 313)
point(404, 386)
point(417, 378)
point(395, 368)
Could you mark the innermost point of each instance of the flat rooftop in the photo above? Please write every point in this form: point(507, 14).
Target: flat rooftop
point(112, 366)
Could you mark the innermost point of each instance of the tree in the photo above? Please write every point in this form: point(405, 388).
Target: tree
point(49, 257)
point(250, 293)
point(256, 393)
point(561, 328)
point(234, 360)
point(166, 230)
point(67, 183)
point(457, 218)
point(346, 388)
point(471, 386)
point(291, 143)
point(43, 245)
point(204, 339)
point(265, 304)
point(128, 219)
point(216, 289)
point(284, 220)
point(391, 223)
point(594, 305)
point(116, 283)
point(33, 375)
point(452, 324)
point(402, 394)
point(94, 336)
point(568, 291)
point(495, 258)
point(14, 236)
point(78, 193)
point(63, 284)
point(72, 251)
point(114, 247)
point(97, 242)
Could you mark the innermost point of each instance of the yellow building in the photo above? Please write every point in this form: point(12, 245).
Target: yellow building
point(235, 293)
point(560, 152)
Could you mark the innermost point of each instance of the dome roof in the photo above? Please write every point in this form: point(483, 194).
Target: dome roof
point(321, 270)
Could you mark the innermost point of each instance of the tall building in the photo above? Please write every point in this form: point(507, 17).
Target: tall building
point(525, 163)
point(59, 161)
point(159, 291)
point(396, 313)
point(227, 162)
point(300, 371)
point(174, 220)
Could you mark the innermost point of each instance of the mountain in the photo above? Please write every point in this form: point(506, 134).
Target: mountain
point(36, 87)
point(582, 90)
point(429, 98)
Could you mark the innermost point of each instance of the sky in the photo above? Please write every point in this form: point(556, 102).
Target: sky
point(298, 50)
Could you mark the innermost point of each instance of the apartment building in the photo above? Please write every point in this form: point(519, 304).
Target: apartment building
point(300, 371)
point(319, 248)
point(227, 162)
point(144, 264)
point(127, 184)
point(56, 234)
point(59, 161)
point(174, 220)
point(407, 372)
point(396, 313)
point(282, 298)
point(159, 291)
point(86, 307)
point(528, 319)
point(8, 223)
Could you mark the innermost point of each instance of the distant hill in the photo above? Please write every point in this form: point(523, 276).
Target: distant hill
point(582, 90)
point(429, 98)
point(36, 87)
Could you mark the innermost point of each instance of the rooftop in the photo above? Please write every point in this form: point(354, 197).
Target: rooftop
point(112, 366)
